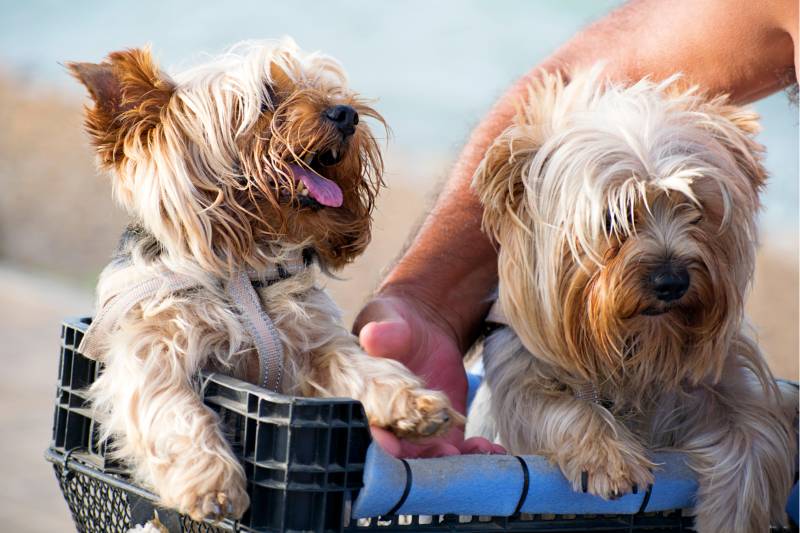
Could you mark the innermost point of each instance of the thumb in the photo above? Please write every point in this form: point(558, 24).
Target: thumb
point(386, 332)
point(387, 338)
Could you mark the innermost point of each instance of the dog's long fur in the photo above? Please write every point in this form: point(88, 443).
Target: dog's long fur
point(594, 186)
point(203, 161)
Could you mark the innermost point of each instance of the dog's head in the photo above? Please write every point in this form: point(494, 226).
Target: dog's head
point(260, 148)
point(625, 217)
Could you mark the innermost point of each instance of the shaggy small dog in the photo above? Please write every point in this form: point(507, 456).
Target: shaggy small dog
point(246, 177)
point(626, 224)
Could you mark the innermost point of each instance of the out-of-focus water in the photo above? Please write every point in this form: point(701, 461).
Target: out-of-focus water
point(435, 66)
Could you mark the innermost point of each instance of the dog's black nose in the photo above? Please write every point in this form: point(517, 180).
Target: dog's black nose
point(344, 117)
point(669, 282)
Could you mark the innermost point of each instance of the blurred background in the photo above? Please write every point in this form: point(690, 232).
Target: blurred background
point(435, 69)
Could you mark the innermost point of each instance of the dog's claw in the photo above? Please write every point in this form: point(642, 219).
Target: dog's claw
point(585, 481)
point(635, 489)
point(429, 413)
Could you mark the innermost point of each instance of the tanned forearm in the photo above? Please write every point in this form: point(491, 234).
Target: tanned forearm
point(739, 47)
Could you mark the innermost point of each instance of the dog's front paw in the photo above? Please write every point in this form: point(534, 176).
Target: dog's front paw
point(216, 505)
point(425, 413)
point(608, 473)
point(212, 486)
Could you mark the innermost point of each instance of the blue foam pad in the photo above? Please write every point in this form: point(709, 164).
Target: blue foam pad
point(493, 486)
point(473, 383)
point(793, 504)
point(550, 492)
point(384, 483)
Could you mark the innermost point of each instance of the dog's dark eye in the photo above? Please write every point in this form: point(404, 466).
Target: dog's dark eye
point(696, 220)
point(271, 100)
point(610, 220)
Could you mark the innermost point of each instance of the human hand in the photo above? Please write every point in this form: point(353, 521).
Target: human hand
point(398, 328)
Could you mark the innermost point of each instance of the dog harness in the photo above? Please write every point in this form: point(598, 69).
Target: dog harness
point(587, 392)
point(240, 289)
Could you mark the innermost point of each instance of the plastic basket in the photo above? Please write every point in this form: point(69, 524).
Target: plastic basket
point(303, 457)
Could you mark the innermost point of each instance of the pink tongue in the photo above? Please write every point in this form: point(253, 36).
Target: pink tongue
point(320, 188)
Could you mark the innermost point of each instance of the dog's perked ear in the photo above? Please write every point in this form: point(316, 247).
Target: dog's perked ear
point(281, 82)
point(129, 94)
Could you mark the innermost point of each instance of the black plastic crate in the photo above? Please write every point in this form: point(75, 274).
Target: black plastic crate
point(303, 458)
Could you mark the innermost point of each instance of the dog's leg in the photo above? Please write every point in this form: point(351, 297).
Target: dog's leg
point(596, 453)
point(392, 396)
point(742, 447)
point(326, 360)
point(159, 424)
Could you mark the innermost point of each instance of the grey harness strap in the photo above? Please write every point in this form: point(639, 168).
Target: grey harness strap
point(587, 392)
point(240, 290)
point(261, 329)
point(114, 308)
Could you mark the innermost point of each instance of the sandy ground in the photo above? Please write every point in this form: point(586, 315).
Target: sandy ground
point(773, 310)
point(31, 309)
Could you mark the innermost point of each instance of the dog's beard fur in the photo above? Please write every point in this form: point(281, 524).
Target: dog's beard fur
point(594, 187)
point(210, 163)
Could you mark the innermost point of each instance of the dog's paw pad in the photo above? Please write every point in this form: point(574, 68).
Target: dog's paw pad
point(218, 505)
point(427, 414)
point(612, 485)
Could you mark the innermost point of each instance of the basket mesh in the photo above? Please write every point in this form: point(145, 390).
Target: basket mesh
point(190, 526)
point(96, 507)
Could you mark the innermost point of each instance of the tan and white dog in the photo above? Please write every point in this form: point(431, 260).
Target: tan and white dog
point(625, 217)
point(246, 176)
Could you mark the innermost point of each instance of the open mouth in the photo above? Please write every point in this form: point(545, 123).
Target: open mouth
point(656, 311)
point(313, 189)
point(663, 308)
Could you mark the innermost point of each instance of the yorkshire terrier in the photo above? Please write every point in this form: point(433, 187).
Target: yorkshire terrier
point(625, 216)
point(246, 177)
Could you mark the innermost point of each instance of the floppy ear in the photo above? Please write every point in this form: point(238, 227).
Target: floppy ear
point(735, 128)
point(499, 179)
point(129, 94)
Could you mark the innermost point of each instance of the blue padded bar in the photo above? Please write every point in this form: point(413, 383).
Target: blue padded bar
point(492, 485)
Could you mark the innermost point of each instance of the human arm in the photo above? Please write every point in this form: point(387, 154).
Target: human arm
point(429, 308)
